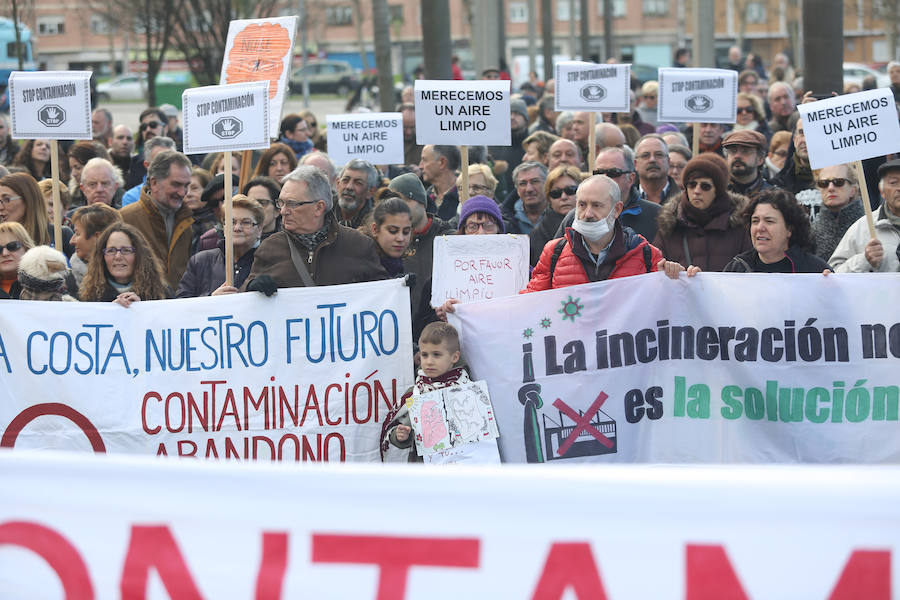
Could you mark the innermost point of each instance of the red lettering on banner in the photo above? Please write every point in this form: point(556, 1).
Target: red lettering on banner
point(327, 416)
point(710, 575)
point(229, 408)
point(147, 429)
point(187, 448)
point(154, 547)
point(56, 409)
point(312, 404)
point(272, 566)
point(54, 548)
point(866, 575)
point(395, 555)
point(569, 565)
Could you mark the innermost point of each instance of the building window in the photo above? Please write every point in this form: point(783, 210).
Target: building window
point(51, 26)
point(562, 10)
point(337, 16)
point(656, 8)
point(756, 12)
point(618, 8)
point(396, 17)
point(100, 25)
point(518, 12)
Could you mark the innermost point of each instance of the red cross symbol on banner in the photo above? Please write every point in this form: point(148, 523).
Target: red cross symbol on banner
point(582, 423)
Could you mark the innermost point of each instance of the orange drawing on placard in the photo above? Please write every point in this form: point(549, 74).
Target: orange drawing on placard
point(257, 54)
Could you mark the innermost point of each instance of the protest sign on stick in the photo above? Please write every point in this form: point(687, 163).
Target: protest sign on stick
point(697, 96)
point(849, 129)
point(478, 267)
point(375, 137)
point(226, 118)
point(53, 105)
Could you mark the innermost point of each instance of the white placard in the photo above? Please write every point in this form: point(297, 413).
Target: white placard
point(375, 137)
point(53, 105)
point(226, 117)
point(462, 113)
point(847, 128)
point(478, 267)
point(589, 86)
point(481, 453)
point(697, 95)
point(261, 50)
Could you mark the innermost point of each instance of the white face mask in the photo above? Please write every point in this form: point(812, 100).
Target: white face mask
point(595, 230)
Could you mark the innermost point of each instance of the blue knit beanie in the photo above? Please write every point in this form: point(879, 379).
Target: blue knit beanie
point(481, 204)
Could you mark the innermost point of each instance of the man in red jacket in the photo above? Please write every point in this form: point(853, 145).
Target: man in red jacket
point(597, 247)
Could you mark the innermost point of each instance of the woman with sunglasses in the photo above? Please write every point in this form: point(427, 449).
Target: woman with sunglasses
point(704, 225)
point(123, 269)
point(781, 237)
point(14, 242)
point(750, 115)
point(205, 273)
point(559, 189)
point(21, 201)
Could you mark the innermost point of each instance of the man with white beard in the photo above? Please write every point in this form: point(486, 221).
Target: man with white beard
point(356, 187)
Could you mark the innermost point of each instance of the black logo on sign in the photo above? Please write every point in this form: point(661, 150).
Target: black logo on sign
point(698, 103)
point(227, 128)
point(593, 92)
point(51, 115)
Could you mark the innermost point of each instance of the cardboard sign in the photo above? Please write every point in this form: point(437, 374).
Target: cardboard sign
point(462, 113)
point(847, 128)
point(478, 267)
point(53, 105)
point(226, 117)
point(589, 86)
point(375, 137)
point(697, 95)
point(261, 50)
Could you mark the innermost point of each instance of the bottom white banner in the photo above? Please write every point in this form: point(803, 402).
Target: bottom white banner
point(83, 526)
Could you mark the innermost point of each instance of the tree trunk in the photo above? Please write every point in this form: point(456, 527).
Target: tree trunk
point(547, 37)
point(382, 34)
point(436, 46)
point(357, 10)
point(15, 19)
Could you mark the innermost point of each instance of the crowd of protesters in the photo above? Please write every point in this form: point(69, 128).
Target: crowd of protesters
point(143, 221)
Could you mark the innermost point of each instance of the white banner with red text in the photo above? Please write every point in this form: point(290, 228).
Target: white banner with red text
point(719, 368)
point(306, 375)
point(139, 527)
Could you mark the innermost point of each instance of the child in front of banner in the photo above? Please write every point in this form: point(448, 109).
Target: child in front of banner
point(439, 354)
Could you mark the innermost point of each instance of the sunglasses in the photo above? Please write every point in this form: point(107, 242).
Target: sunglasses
point(838, 182)
point(704, 185)
point(745, 109)
point(150, 125)
point(11, 246)
point(611, 173)
point(569, 190)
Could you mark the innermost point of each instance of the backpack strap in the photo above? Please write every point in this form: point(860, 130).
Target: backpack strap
point(554, 258)
point(648, 258)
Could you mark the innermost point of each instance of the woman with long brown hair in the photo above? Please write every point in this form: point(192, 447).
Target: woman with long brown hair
point(123, 269)
point(21, 201)
point(35, 156)
point(276, 162)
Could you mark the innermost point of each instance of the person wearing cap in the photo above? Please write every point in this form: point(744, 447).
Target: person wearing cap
point(858, 252)
point(213, 197)
point(704, 225)
point(512, 155)
point(161, 214)
point(745, 153)
point(841, 207)
point(419, 255)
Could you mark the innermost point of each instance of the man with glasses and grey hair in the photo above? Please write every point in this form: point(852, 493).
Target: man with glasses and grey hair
point(526, 207)
point(652, 163)
point(313, 248)
point(356, 187)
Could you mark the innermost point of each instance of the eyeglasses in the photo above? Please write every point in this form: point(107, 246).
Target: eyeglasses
point(838, 182)
point(479, 189)
point(611, 173)
point(648, 155)
point(243, 223)
point(150, 125)
point(569, 190)
point(745, 109)
point(11, 246)
point(536, 182)
point(124, 250)
point(704, 185)
point(736, 149)
point(7, 199)
point(292, 204)
point(487, 226)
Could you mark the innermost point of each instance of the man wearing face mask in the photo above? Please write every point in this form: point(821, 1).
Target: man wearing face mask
point(597, 247)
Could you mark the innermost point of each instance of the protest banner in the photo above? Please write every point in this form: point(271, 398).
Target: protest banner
point(375, 137)
point(133, 527)
point(51, 105)
point(592, 87)
point(478, 267)
point(225, 118)
point(697, 96)
point(306, 375)
point(261, 50)
point(721, 368)
point(462, 113)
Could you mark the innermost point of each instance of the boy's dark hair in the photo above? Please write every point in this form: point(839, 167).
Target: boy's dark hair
point(438, 332)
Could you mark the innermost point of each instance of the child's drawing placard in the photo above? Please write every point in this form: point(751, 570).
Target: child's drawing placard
point(452, 417)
